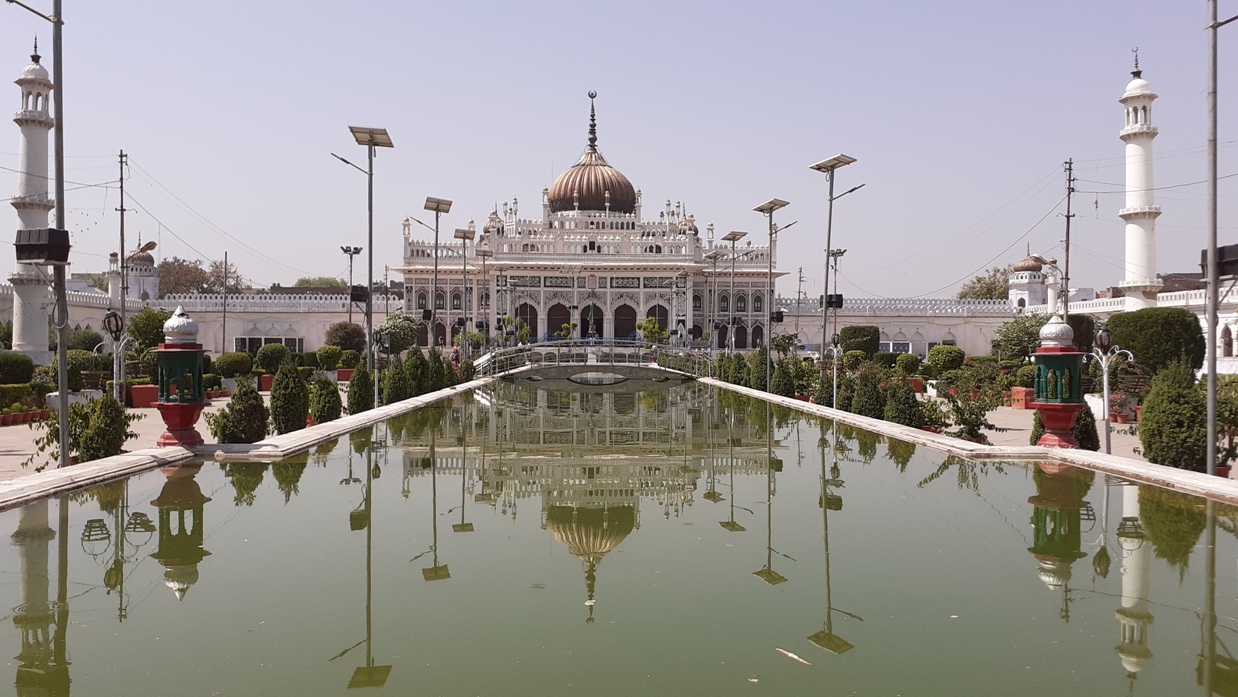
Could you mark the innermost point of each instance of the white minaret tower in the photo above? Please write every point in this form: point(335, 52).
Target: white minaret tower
point(1133, 615)
point(30, 292)
point(1140, 211)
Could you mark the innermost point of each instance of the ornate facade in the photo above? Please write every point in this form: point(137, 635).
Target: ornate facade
point(590, 257)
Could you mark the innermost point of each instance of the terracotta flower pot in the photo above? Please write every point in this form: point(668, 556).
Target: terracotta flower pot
point(265, 381)
point(1117, 417)
point(6, 419)
point(144, 396)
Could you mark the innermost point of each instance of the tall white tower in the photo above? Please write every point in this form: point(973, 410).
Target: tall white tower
point(30, 292)
point(1140, 211)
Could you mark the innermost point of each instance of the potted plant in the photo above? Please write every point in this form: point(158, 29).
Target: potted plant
point(1118, 406)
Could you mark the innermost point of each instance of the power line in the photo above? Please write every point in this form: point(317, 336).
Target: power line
point(1155, 188)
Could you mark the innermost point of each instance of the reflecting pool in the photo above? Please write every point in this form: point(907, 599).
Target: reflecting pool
point(557, 539)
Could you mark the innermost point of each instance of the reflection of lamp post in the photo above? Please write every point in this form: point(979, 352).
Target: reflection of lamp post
point(1105, 353)
point(732, 237)
point(464, 473)
point(351, 252)
point(435, 572)
point(767, 573)
point(369, 675)
point(826, 638)
point(731, 525)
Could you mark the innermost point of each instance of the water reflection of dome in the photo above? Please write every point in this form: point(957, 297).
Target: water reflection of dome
point(179, 577)
point(1054, 573)
point(590, 533)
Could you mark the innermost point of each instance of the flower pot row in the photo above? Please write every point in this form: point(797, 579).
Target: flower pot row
point(215, 394)
point(24, 417)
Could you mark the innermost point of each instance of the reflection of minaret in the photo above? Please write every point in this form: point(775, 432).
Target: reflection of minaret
point(30, 296)
point(180, 535)
point(590, 533)
point(38, 671)
point(1133, 616)
point(1056, 532)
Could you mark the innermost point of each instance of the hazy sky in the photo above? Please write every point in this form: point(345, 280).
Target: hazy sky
point(960, 113)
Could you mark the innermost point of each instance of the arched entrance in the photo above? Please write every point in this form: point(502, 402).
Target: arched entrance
point(423, 334)
point(557, 316)
point(661, 314)
point(528, 313)
point(455, 332)
point(591, 322)
point(625, 322)
point(741, 336)
point(1227, 342)
point(758, 336)
point(697, 332)
point(440, 334)
point(721, 334)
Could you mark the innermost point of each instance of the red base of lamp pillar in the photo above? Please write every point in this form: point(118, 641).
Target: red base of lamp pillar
point(180, 420)
point(1058, 419)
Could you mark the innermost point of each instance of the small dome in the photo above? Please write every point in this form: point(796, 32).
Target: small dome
point(137, 256)
point(689, 224)
point(591, 183)
point(1137, 87)
point(180, 328)
point(1054, 574)
point(494, 224)
point(35, 69)
point(179, 577)
point(1056, 333)
point(1028, 265)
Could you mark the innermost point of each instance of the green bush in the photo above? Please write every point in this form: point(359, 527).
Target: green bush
point(271, 356)
point(348, 336)
point(758, 363)
point(207, 364)
point(852, 360)
point(15, 394)
point(350, 359)
point(1084, 327)
point(869, 400)
point(1025, 376)
point(1173, 429)
point(783, 381)
point(78, 361)
point(418, 370)
point(886, 359)
point(864, 338)
point(329, 357)
point(233, 364)
point(360, 391)
point(306, 373)
point(325, 402)
point(437, 371)
point(289, 399)
point(84, 339)
point(933, 415)
point(42, 382)
point(146, 327)
point(944, 358)
point(397, 386)
point(981, 360)
point(211, 381)
point(902, 407)
point(467, 371)
point(825, 390)
point(15, 368)
point(309, 359)
point(1158, 336)
point(243, 419)
point(909, 363)
point(97, 429)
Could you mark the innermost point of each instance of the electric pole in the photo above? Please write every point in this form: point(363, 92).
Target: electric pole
point(1070, 190)
point(124, 269)
point(224, 348)
point(799, 290)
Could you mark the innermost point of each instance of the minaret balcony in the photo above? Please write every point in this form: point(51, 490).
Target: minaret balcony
point(1138, 129)
point(1139, 213)
point(33, 117)
point(1141, 284)
point(35, 201)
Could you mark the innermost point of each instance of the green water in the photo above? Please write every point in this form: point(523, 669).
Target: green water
point(539, 542)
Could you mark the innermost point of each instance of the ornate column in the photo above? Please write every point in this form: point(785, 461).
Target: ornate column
point(1059, 394)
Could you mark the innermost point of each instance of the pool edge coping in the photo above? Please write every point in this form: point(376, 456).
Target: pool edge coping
point(1194, 483)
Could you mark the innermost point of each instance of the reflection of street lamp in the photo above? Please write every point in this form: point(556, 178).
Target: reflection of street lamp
point(369, 675)
point(826, 638)
point(767, 573)
point(351, 252)
point(732, 237)
point(731, 525)
point(435, 572)
point(1105, 353)
point(464, 473)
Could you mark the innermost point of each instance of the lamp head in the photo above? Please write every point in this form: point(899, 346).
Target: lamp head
point(1040, 259)
point(834, 340)
point(113, 325)
point(1104, 339)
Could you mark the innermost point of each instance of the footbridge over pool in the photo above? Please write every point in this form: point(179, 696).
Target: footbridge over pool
point(593, 362)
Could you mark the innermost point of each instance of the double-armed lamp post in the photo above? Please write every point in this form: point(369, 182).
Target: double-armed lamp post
point(767, 209)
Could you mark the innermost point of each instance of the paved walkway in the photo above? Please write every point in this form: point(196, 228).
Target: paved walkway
point(1018, 425)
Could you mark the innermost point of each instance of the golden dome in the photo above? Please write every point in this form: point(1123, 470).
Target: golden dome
point(1028, 264)
point(591, 183)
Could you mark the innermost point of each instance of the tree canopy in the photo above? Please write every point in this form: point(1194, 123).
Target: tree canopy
point(320, 282)
point(993, 285)
point(177, 276)
point(1019, 337)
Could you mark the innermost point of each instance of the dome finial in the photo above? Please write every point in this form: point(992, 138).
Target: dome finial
point(34, 57)
point(1136, 72)
point(593, 124)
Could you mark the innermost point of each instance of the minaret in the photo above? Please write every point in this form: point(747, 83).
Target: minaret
point(30, 291)
point(1140, 211)
point(1133, 616)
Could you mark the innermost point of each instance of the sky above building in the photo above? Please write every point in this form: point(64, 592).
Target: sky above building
point(960, 114)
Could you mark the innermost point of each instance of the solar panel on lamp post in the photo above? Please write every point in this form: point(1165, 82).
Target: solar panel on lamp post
point(438, 206)
point(732, 237)
point(464, 235)
point(767, 209)
point(828, 167)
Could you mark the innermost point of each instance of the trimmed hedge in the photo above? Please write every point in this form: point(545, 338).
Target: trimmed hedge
point(15, 368)
point(1174, 430)
point(230, 365)
point(944, 358)
point(289, 399)
point(864, 338)
point(886, 358)
point(350, 358)
point(15, 394)
point(271, 356)
point(329, 357)
point(360, 391)
point(909, 363)
point(1158, 336)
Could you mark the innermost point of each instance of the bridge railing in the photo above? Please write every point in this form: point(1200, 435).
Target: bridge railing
point(593, 352)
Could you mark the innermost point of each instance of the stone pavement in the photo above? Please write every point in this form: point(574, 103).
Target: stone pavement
point(1018, 428)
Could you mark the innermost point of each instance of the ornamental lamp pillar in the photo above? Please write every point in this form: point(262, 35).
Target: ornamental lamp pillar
point(1058, 386)
point(180, 361)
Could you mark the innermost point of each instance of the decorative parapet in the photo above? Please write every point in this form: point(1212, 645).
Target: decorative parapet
point(906, 307)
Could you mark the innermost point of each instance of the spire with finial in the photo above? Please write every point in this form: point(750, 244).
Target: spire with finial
point(1136, 72)
point(593, 123)
point(34, 57)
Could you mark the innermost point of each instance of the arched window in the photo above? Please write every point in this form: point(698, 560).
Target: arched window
point(440, 300)
point(741, 303)
point(485, 299)
point(456, 302)
point(724, 303)
point(421, 300)
point(758, 303)
point(698, 303)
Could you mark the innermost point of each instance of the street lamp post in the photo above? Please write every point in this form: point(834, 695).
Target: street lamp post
point(828, 168)
point(464, 235)
point(767, 209)
point(371, 138)
point(1106, 353)
point(439, 206)
point(485, 253)
point(1063, 291)
point(351, 252)
point(713, 257)
point(835, 351)
point(732, 237)
point(114, 325)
